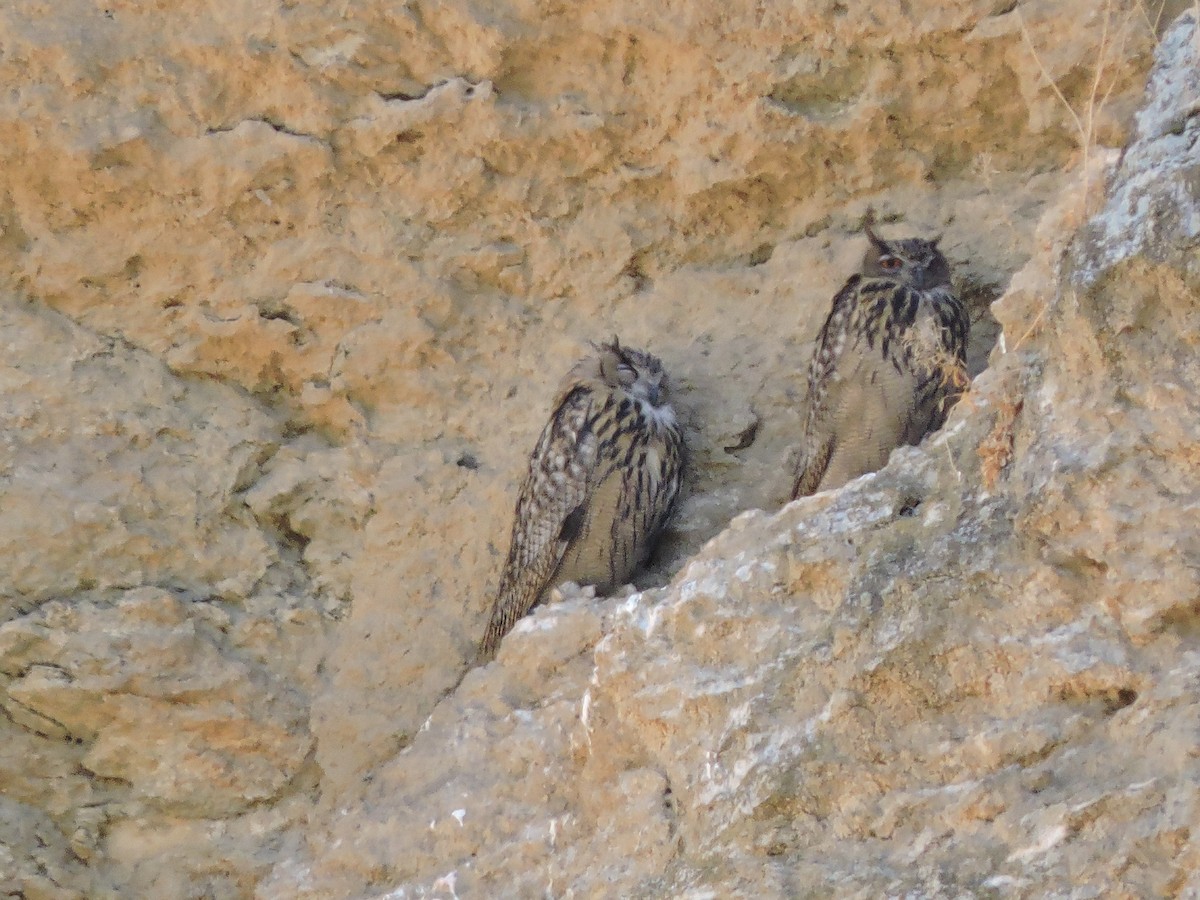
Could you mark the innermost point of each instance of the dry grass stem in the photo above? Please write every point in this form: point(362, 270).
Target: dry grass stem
point(996, 450)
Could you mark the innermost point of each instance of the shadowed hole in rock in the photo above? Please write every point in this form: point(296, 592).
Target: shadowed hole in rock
point(289, 536)
point(635, 270)
point(1183, 618)
point(977, 295)
point(670, 808)
point(1111, 699)
point(745, 437)
point(1119, 699)
point(275, 311)
point(761, 254)
point(824, 93)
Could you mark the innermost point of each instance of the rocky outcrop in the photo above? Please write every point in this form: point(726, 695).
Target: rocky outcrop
point(969, 674)
point(286, 295)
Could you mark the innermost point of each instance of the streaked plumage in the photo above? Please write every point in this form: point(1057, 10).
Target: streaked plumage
point(602, 482)
point(888, 365)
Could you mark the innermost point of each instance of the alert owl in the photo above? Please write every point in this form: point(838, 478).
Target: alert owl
point(602, 483)
point(888, 364)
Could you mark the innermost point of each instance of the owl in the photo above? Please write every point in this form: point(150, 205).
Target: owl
point(889, 362)
point(602, 483)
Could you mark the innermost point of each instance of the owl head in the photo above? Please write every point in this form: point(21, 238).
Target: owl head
point(635, 372)
point(914, 261)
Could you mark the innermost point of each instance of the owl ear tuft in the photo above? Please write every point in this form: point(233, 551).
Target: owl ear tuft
point(610, 358)
point(868, 224)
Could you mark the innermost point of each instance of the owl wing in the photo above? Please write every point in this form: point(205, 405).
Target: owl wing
point(550, 512)
point(870, 407)
point(888, 366)
point(634, 486)
point(942, 384)
point(817, 446)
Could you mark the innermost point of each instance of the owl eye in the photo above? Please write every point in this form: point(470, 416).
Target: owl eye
point(890, 263)
point(626, 370)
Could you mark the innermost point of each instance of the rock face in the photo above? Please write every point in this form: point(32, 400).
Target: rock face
point(288, 290)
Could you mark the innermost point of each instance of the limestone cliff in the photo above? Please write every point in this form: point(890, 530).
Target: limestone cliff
point(288, 288)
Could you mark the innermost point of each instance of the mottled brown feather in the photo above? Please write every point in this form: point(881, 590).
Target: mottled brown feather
point(602, 482)
point(887, 365)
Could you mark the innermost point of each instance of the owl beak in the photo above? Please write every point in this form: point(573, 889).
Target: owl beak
point(654, 394)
